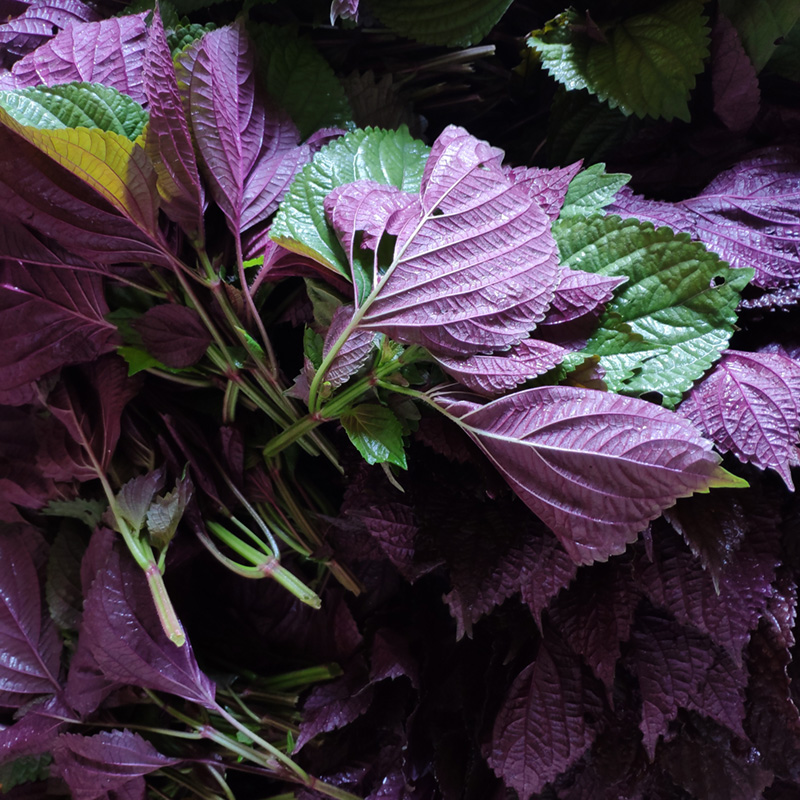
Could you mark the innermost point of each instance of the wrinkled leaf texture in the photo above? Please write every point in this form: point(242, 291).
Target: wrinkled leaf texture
point(474, 265)
point(750, 405)
point(749, 215)
point(174, 334)
point(594, 466)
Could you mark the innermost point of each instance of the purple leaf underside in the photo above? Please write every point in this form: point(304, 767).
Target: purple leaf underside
point(474, 265)
point(174, 334)
point(547, 187)
point(595, 467)
point(750, 405)
point(495, 374)
point(346, 9)
point(67, 309)
point(30, 644)
point(353, 354)
point(249, 149)
point(749, 215)
point(110, 52)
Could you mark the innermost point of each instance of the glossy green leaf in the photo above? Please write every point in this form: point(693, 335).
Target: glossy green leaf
point(376, 433)
point(389, 157)
point(299, 79)
point(785, 61)
point(447, 22)
point(591, 190)
point(76, 105)
point(669, 323)
point(181, 36)
point(646, 66)
point(761, 24)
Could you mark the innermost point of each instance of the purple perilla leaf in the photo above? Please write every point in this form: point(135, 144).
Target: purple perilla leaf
point(35, 731)
point(748, 215)
point(135, 497)
point(680, 668)
point(67, 310)
point(40, 21)
point(737, 97)
point(127, 641)
point(169, 142)
point(579, 294)
point(546, 721)
point(548, 187)
point(750, 405)
point(495, 374)
point(249, 149)
point(174, 334)
point(474, 265)
point(595, 467)
point(725, 612)
point(109, 761)
point(30, 645)
point(110, 52)
point(63, 585)
point(353, 354)
point(346, 9)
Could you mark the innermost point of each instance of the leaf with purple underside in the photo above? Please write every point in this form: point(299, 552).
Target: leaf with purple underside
point(110, 52)
point(63, 586)
point(750, 405)
point(748, 215)
point(726, 613)
point(126, 639)
point(174, 334)
point(474, 266)
point(109, 761)
point(346, 9)
point(40, 21)
point(35, 731)
point(594, 466)
point(249, 149)
point(168, 140)
point(737, 97)
point(548, 187)
point(542, 727)
point(30, 645)
point(67, 309)
point(352, 355)
point(497, 373)
point(680, 668)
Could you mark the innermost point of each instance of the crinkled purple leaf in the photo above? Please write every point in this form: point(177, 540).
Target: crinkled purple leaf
point(249, 149)
point(548, 187)
point(168, 139)
point(750, 405)
point(706, 762)
point(30, 644)
point(580, 293)
point(748, 215)
point(40, 21)
point(174, 334)
point(543, 725)
point(596, 613)
point(737, 97)
point(727, 612)
point(391, 658)
point(67, 309)
point(355, 352)
point(474, 264)
point(495, 374)
point(334, 705)
point(594, 466)
point(42, 195)
point(681, 668)
point(773, 718)
point(110, 52)
point(92, 766)
point(346, 9)
point(35, 731)
point(127, 641)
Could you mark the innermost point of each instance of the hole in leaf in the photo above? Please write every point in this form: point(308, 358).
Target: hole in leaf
point(717, 280)
point(437, 212)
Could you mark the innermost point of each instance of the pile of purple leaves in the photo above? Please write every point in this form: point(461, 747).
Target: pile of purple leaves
point(399, 400)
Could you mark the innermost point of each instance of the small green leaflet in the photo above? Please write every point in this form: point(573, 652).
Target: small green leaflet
point(312, 347)
point(76, 105)
point(453, 23)
point(591, 190)
point(24, 770)
point(181, 36)
point(299, 79)
point(761, 25)
point(672, 319)
point(89, 512)
point(646, 66)
point(376, 433)
point(390, 157)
